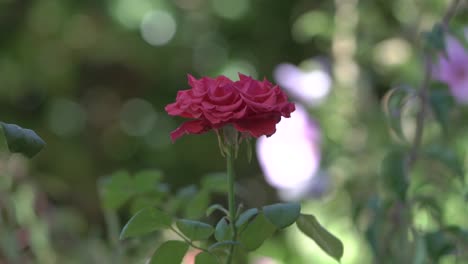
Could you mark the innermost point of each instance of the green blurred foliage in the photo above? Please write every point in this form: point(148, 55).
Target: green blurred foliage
point(92, 81)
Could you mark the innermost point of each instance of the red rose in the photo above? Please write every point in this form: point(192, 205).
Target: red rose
point(265, 103)
point(251, 106)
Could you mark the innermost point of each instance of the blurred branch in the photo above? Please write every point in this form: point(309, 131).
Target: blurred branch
point(423, 91)
point(450, 13)
point(423, 94)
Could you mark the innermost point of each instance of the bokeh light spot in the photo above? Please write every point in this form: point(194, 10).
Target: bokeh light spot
point(189, 4)
point(405, 11)
point(158, 137)
point(230, 9)
point(66, 118)
point(130, 12)
point(392, 52)
point(209, 54)
point(311, 24)
point(137, 117)
point(234, 67)
point(158, 27)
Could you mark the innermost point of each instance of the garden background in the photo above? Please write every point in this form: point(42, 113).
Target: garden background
point(92, 78)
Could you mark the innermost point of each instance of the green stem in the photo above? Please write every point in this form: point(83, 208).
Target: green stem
point(231, 197)
point(112, 223)
point(188, 241)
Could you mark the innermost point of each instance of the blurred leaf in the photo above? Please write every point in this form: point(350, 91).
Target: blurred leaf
point(447, 157)
point(393, 104)
point(282, 214)
point(442, 104)
point(435, 38)
point(145, 221)
point(146, 180)
point(377, 227)
point(187, 192)
point(144, 201)
point(420, 255)
point(21, 140)
point(195, 230)
point(182, 197)
point(170, 252)
point(246, 216)
point(215, 207)
point(430, 204)
point(438, 244)
point(116, 189)
point(205, 258)
point(6, 181)
point(256, 232)
point(393, 174)
point(223, 230)
point(458, 233)
point(309, 225)
point(10, 251)
point(215, 182)
point(195, 208)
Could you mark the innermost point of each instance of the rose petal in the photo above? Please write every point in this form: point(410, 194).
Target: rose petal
point(260, 125)
point(189, 127)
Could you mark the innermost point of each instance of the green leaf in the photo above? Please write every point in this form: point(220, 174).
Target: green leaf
point(256, 232)
point(435, 38)
point(146, 180)
point(215, 182)
point(442, 103)
point(187, 192)
point(430, 204)
point(282, 214)
point(309, 225)
point(420, 254)
point(170, 252)
point(215, 207)
point(205, 258)
point(144, 222)
point(223, 230)
point(393, 174)
point(393, 104)
point(182, 197)
point(21, 140)
point(438, 244)
point(447, 157)
point(246, 216)
point(195, 230)
point(221, 244)
point(195, 208)
point(375, 229)
point(144, 201)
point(116, 189)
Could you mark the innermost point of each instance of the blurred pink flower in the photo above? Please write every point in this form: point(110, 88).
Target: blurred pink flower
point(265, 260)
point(452, 69)
point(309, 87)
point(290, 158)
point(190, 256)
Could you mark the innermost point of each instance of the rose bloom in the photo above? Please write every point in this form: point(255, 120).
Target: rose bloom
point(252, 107)
point(452, 69)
